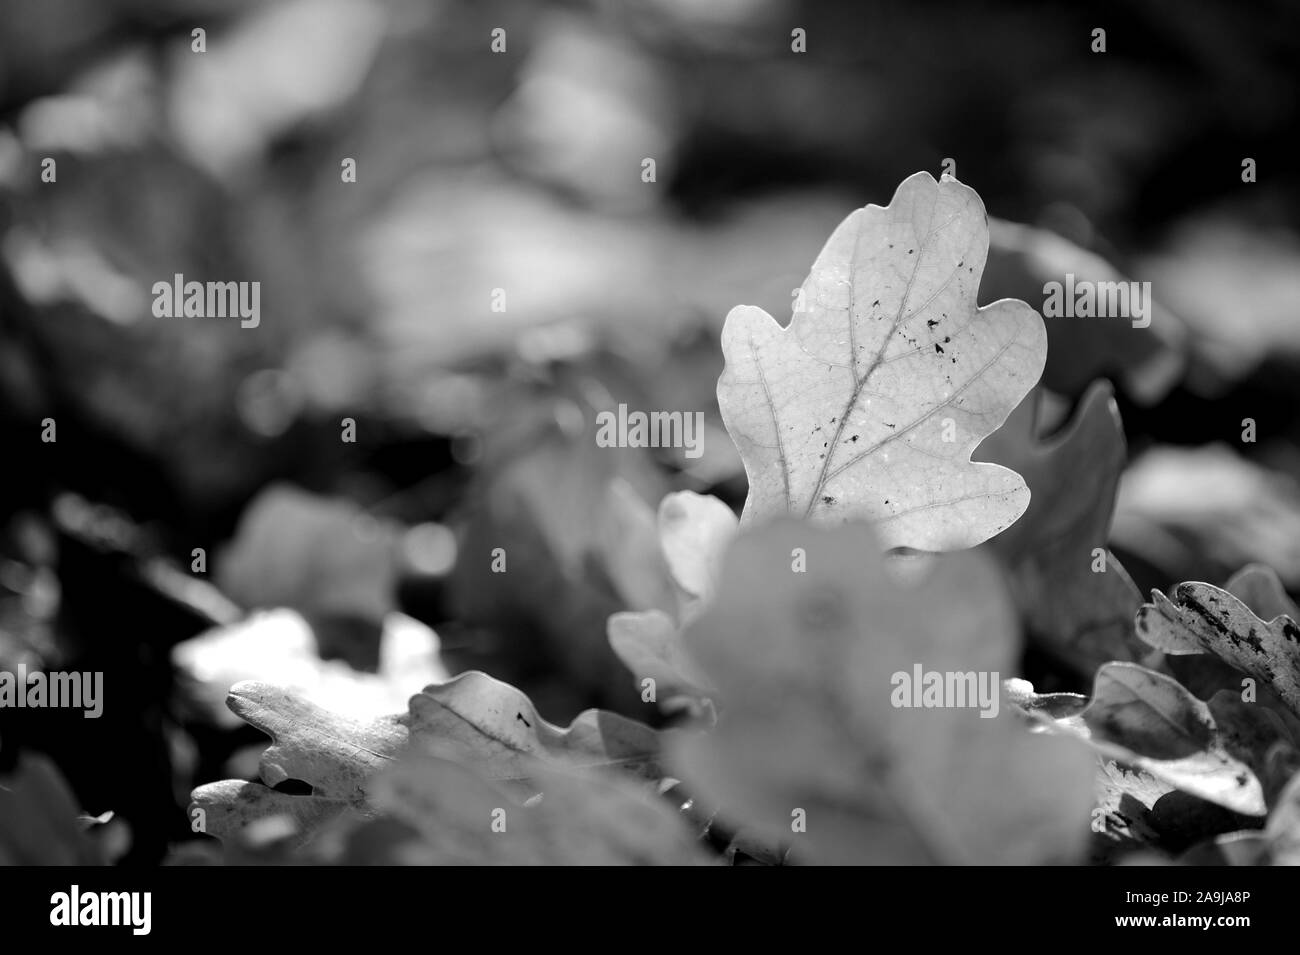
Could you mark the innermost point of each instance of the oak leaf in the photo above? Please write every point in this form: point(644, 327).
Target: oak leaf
point(1150, 722)
point(692, 532)
point(455, 817)
point(1077, 612)
point(489, 726)
point(869, 403)
point(810, 723)
point(1202, 618)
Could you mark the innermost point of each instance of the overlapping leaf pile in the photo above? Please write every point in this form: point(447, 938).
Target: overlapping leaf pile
point(783, 643)
point(460, 774)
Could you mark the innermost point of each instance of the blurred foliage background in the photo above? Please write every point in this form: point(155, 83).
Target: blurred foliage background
point(521, 171)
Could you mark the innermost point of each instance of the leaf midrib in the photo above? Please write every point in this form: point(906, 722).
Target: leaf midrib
point(859, 384)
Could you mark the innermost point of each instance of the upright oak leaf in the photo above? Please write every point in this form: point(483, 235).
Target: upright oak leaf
point(813, 729)
point(869, 403)
point(1076, 611)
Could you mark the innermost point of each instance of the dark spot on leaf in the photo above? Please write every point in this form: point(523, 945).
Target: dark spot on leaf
point(1252, 640)
point(520, 718)
point(938, 348)
point(854, 438)
point(931, 322)
point(1187, 597)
